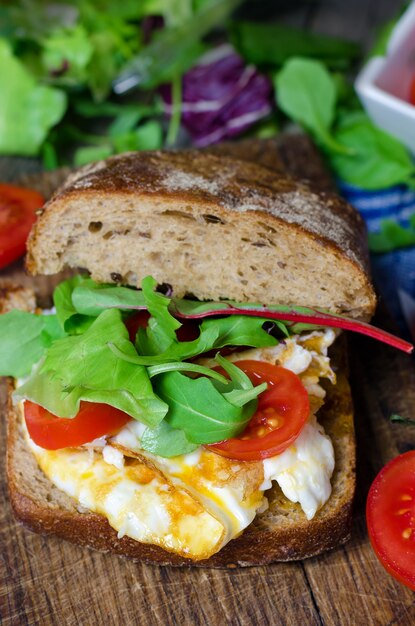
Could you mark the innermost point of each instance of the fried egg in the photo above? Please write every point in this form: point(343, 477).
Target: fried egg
point(194, 504)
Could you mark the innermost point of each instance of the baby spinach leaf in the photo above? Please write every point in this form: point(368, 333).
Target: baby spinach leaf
point(166, 441)
point(272, 44)
point(27, 110)
point(306, 92)
point(377, 160)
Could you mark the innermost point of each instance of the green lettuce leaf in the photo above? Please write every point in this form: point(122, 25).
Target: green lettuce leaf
point(82, 367)
point(23, 339)
point(27, 110)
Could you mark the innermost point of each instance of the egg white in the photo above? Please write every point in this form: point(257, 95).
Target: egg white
point(194, 504)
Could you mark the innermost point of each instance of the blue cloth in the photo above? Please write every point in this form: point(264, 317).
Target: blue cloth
point(393, 272)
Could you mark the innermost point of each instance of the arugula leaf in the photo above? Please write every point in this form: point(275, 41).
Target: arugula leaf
point(242, 393)
point(307, 93)
point(82, 367)
point(376, 160)
point(239, 330)
point(27, 110)
point(91, 298)
point(166, 441)
point(23, 339)
point(176, 350)
point(273, 44)
point(161, 330)
point(69, 318)
point(199, 409)
point(163, 366)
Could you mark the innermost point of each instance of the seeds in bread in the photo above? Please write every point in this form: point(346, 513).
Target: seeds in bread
point(211, 226)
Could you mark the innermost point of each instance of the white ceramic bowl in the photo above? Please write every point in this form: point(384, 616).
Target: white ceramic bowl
point(383, 84)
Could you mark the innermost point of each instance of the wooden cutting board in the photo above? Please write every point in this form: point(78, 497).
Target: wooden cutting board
point(46, 581)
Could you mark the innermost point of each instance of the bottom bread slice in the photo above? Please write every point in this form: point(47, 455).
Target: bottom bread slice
point(281, 533)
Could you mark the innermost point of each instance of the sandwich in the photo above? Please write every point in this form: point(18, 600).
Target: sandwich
point(183, 402)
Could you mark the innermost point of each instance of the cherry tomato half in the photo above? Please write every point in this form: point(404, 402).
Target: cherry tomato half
point(93, 420)
point(390, 516)
point(282, 412)
point(17, 215)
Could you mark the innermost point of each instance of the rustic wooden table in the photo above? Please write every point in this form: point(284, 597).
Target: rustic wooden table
point(45, 581)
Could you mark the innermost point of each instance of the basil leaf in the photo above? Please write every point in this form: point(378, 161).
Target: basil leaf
point(82, 367)
point(307, 93)
point(166, 441)
point(376, 161)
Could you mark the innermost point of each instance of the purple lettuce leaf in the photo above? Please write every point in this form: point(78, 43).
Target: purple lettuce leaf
point(221, 97)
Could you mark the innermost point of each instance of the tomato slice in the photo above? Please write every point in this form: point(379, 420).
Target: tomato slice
point(17, 214)
point(93, 420)
point(282, 412)
point(390, 516)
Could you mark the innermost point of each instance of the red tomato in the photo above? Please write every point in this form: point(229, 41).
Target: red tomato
point(412, 91)
point(188, 331)
point(93, 420)
point(17, 214)
point(390, 516)
point(136, 321)
point(282, 412)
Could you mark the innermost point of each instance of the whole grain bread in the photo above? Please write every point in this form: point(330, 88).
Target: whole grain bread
point(281, 533)
point(212, 226)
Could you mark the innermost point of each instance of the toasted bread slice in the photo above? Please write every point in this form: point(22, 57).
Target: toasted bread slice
point(281, 533)
point(211, 226)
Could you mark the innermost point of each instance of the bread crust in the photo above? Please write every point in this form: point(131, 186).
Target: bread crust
point(196, 186)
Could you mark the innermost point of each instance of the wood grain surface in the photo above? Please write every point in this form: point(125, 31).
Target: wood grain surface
point(46, 581)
